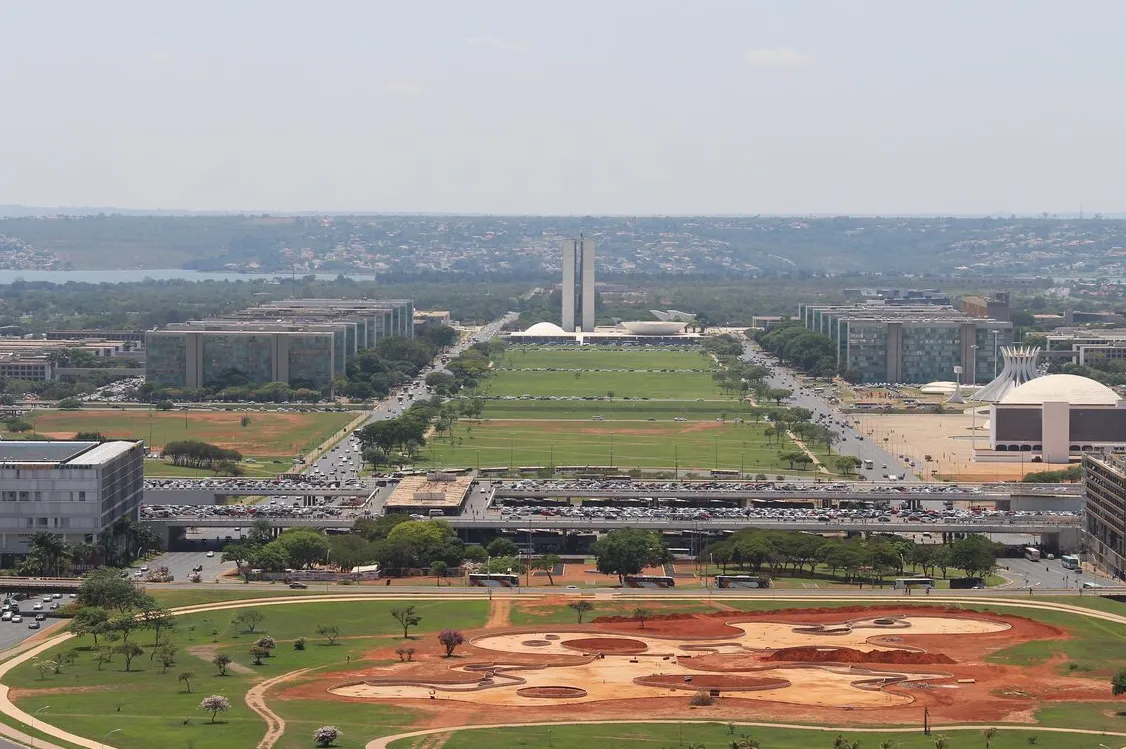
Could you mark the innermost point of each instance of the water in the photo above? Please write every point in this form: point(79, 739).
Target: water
point(134, 276)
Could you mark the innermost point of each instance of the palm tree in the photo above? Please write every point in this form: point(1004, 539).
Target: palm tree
point(107, 547)
point(84, 555)
point(52, 550)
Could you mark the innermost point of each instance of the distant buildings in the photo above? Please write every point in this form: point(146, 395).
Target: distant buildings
point(305, 343)
point(72, 489)
point(910, 343)
point(578, 284)
point(40, 360)
point(995, 306)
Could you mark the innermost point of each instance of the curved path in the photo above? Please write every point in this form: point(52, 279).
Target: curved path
point(256, 701)
point(8, 708)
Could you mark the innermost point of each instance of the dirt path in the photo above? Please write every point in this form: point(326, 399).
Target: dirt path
point(256, 701)
point(435, 740)
point(207, 652)
point(499, 612)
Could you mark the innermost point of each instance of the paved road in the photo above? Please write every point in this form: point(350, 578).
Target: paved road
point(850, 443)
point(13, 633)
point(180, 564)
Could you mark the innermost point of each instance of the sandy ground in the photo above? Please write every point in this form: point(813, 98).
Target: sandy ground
point(624, 667)
point(948, 438)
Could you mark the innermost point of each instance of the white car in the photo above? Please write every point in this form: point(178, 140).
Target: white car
point(210, 554)
point(38, 606)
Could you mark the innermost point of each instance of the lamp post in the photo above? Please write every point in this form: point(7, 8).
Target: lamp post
point(611, 448)
point(34, 715)
point(675, 462)
point(511, 461)
point(111, 733)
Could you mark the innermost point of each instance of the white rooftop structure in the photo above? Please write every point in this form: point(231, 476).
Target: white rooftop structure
point(653, 327)
point(1061, 388)
point(1020, 367)
point(543, 329)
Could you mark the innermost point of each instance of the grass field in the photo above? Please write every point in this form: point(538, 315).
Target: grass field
point(648, 736)
point(594, 357)
point(693, 446)
point(268, 434)
point(684, 385)
point(618, 409)
point(154, 710)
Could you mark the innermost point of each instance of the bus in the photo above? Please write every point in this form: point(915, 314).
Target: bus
point(1032, 554)
point(913, 582)
point(741, 581)
point(649, 581)
point(493, 580)
point(1070, 561)
point(868, 464)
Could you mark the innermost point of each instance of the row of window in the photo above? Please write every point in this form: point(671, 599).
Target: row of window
point(37, 496)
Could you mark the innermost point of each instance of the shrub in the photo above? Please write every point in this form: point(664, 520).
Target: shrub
point(450, 639)
point(326, 735)
point(701, 699)
point(299, 643)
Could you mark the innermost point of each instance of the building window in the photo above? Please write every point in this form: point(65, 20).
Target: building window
point(25, 496)
point(81, 496)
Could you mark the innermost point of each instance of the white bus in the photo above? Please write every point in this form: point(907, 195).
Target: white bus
point(1069, 561)
point(868, 464)
point(1032, 554)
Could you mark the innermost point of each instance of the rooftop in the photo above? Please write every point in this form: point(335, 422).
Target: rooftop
point(1073, 389)
point(25, 452)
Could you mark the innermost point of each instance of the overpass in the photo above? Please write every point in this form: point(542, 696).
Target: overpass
point(39, 584)
point(213, 495)
point(1061, 532)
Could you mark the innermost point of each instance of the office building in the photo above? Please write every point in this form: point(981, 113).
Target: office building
point(910, 343)
point(1081, 345)
point(578, 284)
point(1104, 481)
point(305, 343)
point(73, 489)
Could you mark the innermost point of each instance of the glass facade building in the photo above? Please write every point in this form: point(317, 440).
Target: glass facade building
point(910, 343)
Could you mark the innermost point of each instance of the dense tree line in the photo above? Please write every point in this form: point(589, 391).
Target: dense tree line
point(196, 454)
point(856, 559)
point(802, 349)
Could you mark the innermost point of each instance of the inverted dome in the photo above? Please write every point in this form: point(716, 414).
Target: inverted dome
point(545, 329)
point(1073, 389)
point(652, 327)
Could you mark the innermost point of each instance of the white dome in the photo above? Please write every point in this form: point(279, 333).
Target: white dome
point(1076, 390)
point(654, 327)
point(545, 329)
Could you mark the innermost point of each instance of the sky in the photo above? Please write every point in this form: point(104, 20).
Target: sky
point(641, 107)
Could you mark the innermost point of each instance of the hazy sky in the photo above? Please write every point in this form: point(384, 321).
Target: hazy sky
point(614, 106)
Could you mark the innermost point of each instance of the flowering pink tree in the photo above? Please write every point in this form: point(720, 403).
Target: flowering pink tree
point(450, 638)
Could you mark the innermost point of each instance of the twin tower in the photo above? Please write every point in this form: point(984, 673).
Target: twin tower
point(578, 284)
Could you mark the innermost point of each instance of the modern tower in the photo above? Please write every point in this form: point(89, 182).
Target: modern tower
point(578, 284)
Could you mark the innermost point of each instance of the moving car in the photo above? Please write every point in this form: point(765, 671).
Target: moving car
point(298, 586)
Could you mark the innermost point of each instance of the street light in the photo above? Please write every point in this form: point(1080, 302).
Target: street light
point(33, 716)
point(111, 733)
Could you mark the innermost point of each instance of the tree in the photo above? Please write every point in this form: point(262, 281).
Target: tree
point(185, 678)
point(49, 551)
point(326, 735)
point(439, 569)
point(129, 650)
point(45, 667)
point(547, 563)
point(89, 620)
point(330, 632)
point(407, 618)
point(989, 734)
point(158, 620)
point(165, 652)
point(941, 742)
point(257, 652)
point(215, 704)
point(502, 547)
point(221, 662)
point(106, 589)
point(450, 639)
point(976, 555)
point(1118, 683)
point(580, 608)
point(840, 742)
point(267, 643)
point(102, 655)
point(123, 625)
point(641, 615)
point(628, 552)
point(248, 619)
point(304, 547)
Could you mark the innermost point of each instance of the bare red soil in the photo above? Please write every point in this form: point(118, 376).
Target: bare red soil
point(848, 655)
point(551, 693)
point(618, 645)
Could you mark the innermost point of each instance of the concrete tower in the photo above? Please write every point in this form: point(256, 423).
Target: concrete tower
point(578, 284)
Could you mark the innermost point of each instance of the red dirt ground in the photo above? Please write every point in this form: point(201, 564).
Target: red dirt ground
point(999, 694)
point(552, 693)
point(620, 645)
point(848, 655)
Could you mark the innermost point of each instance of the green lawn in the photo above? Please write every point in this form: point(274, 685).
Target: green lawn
point(618, 409)
point(648, 736)
point(266, 467)
point(693, 446)
point(154, 710)
point(685, 386)
point(176, 597)
point(602, 357)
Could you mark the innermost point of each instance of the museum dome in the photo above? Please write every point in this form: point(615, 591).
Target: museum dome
point(1073, 389)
